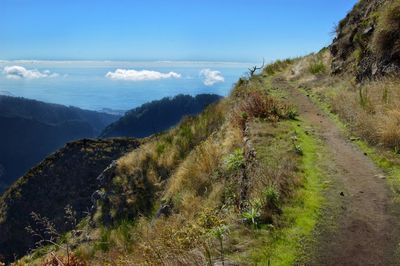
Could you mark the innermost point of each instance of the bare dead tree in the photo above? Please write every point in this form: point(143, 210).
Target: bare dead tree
point(253, 69)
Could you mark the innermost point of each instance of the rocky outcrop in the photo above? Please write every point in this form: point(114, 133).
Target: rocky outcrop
point(68, 177)
point(367, 44)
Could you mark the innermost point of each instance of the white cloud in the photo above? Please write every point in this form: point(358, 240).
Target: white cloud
point(19, 72)
point(211, 77)
point(140, 75)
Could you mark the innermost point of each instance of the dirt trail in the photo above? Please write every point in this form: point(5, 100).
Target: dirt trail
point(367, 224)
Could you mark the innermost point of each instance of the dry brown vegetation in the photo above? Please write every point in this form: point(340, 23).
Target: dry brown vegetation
point(372, 110)
point(220, 176)
point(63, 261)
point(197, 170)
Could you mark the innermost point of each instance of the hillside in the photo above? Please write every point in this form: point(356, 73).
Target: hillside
point(67, 177)
point(368, 40)
point(158, 116)
point(299, 165)
point(31, 130)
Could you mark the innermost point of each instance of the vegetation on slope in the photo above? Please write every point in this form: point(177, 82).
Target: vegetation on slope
point(233, 184)
point(66, 178)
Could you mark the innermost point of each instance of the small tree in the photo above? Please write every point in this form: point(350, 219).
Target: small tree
point(253, 69)
point(220, 232)
point(252, 215)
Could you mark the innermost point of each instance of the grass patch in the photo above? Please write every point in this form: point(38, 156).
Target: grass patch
point(302, 215)
point(284, 245)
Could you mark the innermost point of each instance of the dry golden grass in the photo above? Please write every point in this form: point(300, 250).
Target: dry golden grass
point(175, 240)
point(64, 261)
point(194, 177)
point(389, 129)
point(372, 109)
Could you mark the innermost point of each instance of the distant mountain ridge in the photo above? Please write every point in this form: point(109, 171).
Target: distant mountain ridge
point(31, 130)
point(50, 113)
point(157, 116)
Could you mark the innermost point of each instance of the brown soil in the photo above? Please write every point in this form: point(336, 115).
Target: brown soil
point(366, 230)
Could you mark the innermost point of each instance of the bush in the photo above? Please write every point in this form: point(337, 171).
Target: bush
point(235, 161)
point(272, 196)
point(257, 104)
point(252, 215)
point(317, 67)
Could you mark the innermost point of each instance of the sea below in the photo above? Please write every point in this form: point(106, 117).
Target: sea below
point(100, 86)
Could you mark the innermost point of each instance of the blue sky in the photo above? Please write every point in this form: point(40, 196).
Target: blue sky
point(209, 30)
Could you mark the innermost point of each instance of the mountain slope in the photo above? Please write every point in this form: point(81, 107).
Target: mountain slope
point(67, 177)
point(368, 40)
point(158, 116)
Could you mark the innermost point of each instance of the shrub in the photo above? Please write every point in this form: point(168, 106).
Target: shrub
point(251, 216)
point(257, 104)
point(317, 66)
point(357, 55)
point(235, 160)
point(220, 233)
point(272, 196)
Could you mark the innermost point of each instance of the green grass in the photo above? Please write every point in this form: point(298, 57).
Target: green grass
point(304, 211)
point(284, 246)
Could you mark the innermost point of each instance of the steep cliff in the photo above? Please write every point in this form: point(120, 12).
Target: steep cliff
point(368, 40)
point(67, 177)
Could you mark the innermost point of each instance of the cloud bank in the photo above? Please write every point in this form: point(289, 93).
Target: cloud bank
point(211, 77)
point(19, 72)
point(140, 75)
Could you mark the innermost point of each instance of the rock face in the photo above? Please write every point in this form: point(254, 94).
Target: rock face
point(368, 40)
point(67, 177)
